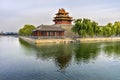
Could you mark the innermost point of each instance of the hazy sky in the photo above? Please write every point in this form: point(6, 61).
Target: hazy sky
point(15, 13)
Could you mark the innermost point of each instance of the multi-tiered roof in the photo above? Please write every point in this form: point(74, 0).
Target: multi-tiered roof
point(62, 17)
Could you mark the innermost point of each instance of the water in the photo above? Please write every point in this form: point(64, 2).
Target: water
point(82, 61)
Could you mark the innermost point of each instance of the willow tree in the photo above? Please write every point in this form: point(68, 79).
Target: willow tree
point(116, 28)
point(85, 27)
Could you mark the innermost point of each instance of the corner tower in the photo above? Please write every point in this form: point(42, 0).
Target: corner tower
point(62, 17)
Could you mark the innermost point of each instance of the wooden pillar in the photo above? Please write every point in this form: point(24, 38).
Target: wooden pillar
point(53, 33)
point(50, 34)
point(37, 33)
point(34, 33)
point(62, 33)
point(59, 33)
point(45, 33)
point(56, 33)
point(41, 33)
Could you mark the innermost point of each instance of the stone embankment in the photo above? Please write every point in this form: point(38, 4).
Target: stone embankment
point(39, 41)
point(68, 40)
point(108, 39)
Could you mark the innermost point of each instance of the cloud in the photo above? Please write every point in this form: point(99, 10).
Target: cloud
point(16, 13)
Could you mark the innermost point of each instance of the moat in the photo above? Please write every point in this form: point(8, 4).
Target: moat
point(75, 61)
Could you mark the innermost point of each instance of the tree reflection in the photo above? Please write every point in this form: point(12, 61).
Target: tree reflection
point(84, 52)
point(63, 59)
point(112, 49)
point(61, 54)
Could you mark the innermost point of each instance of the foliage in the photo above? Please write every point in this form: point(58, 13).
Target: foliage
point(26, 30)
point(87, 28)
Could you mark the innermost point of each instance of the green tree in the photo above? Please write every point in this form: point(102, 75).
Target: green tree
point(107, 31)
point(78, 26)
point(116, 27)
point(84, 27)
point(87, 28)
point(99, 31)
point(26, 30)
point(95, 27)
point(111, 29)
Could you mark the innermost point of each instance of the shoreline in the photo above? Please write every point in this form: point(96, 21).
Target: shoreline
point(103, 39)
point(70, 40)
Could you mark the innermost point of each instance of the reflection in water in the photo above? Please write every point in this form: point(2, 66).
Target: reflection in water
point(85, 52)
point(84, 61)
point(112, 49)
point(62, 54)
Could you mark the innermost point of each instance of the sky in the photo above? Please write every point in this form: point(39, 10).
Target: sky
point(14, 14)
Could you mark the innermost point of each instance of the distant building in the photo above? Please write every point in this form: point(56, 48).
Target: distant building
point(62, 26)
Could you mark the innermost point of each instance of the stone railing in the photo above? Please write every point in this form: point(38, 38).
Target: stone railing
point(47, 37)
